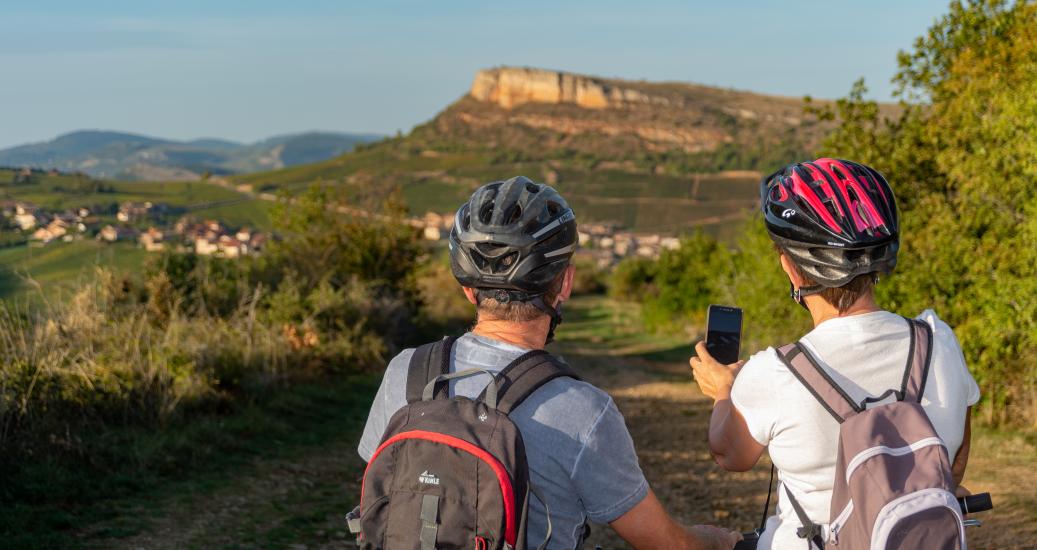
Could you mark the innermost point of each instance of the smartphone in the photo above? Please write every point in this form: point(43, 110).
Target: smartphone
point(723, 333)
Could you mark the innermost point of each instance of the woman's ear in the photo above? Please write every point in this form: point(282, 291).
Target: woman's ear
point(791, 271)
point(470, 294)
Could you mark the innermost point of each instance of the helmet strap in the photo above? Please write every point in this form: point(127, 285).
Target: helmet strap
point(798, 294)
point(555, 313)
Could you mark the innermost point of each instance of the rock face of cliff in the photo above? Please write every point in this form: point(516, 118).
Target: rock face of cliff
point(537, 113)
point(509, 87)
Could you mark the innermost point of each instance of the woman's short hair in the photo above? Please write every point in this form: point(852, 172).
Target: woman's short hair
point(840, 297)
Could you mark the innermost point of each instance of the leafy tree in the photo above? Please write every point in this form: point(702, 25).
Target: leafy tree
point(962, 158)
point(324, 239)
point(961, 154)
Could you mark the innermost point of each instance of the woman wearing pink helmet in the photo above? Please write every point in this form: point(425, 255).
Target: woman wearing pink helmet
point(835, 225)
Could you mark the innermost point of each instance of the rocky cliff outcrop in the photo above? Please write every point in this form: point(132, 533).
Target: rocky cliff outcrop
point(509, 87)
point(529, 113)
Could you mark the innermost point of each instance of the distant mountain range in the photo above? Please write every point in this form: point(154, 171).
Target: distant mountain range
point(118, 155)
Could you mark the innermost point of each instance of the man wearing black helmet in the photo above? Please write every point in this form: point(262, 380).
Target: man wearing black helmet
point(510, 250)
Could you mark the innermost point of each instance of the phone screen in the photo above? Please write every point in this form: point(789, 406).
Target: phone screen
point(723, 333)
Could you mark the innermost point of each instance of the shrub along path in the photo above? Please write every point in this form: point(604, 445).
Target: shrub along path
point(298, 501)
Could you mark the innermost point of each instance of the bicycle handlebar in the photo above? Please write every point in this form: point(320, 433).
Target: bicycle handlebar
point(969, 505)
point(975, 503)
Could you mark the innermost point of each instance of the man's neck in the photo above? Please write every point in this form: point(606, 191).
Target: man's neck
point(528, 335)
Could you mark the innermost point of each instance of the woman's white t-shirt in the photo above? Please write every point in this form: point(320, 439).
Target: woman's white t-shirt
point(866, 355)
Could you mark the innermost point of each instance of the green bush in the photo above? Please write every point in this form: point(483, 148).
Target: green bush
point(676, 289)
point(632, 279)
point(589, 277)
point(103, 393)
point(336, 294)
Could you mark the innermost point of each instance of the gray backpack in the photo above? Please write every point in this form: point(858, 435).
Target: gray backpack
point(893, 480)
point(451, 472)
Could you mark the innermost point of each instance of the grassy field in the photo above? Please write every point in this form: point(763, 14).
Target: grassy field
point(198, 198)
point(69, 191)
point(81, 505)
point(58, 268)
point(440, 182)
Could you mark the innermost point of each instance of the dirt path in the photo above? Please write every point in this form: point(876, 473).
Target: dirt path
point(298, 503)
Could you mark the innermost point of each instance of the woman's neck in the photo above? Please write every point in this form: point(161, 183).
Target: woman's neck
point(821, 310)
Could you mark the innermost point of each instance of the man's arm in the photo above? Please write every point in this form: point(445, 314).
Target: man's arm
point(613, 490)
point(732, 445)
point(647, 525)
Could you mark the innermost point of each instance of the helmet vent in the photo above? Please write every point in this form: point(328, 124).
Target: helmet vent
point(532, 188)
point(480, 261)
point(553, 208)
point(506, 262)
point(515, 215)
point(870, 227)
point(832, 207)
point(486, 212)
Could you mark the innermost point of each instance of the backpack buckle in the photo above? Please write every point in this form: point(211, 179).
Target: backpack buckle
point(809, 531)
point(812, 533)
point(353, 520)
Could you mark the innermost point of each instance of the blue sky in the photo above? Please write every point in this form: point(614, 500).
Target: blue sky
point(245, 70)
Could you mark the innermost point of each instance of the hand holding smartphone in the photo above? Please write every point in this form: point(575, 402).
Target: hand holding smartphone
point(723, 333)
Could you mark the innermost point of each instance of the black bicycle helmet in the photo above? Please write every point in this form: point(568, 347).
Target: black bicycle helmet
point(836, 219)
point(511, 240)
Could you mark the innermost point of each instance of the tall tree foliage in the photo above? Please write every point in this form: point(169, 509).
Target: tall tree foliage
point(962, 157)
point(961, 154)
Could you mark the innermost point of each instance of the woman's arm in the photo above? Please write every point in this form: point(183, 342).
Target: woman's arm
point(732, 445)
point(961, 459)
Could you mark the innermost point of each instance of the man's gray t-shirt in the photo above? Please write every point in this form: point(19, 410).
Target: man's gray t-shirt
point(579, 451)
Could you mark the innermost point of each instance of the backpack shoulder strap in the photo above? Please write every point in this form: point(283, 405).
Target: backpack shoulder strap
point(428, 362)
point(525, 375)
point(806, 369)
point(918, 358)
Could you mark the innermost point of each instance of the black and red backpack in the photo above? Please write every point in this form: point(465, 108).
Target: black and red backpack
point(451, 472)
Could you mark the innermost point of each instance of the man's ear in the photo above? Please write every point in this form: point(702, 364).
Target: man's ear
point(791, 271)
point(567, 284)
point(470, 294)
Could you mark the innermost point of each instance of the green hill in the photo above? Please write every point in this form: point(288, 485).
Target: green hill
point(655, 157)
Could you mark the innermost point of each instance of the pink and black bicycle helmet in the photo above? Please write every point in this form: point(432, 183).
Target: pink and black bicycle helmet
point(836, 219)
